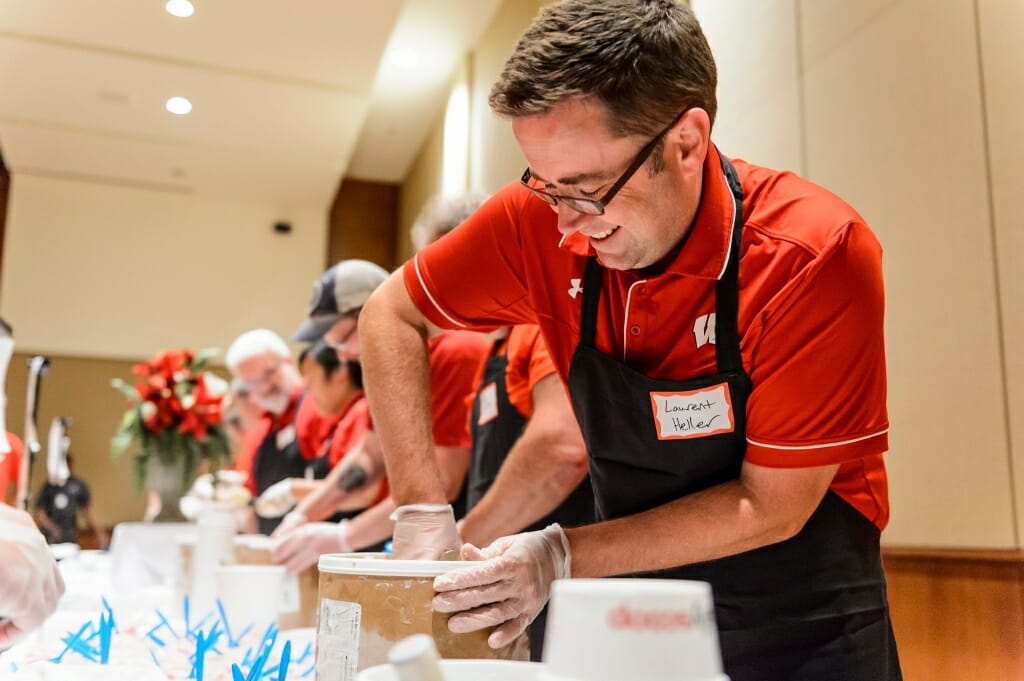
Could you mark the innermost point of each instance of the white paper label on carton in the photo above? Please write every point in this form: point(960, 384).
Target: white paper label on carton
point(290, 599)
point(337, 640)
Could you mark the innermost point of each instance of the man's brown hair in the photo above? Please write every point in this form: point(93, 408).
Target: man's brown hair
point(645, 60)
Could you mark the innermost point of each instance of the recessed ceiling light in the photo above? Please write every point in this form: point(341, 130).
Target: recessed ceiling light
point(403, 57)
point(179, 105)
point(180, 8)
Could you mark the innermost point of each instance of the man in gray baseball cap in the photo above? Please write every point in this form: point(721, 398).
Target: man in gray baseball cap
point(338, 295)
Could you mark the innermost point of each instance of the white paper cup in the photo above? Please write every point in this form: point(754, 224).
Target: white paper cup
point(214, 548)
point(614, 629)
point(250, 594)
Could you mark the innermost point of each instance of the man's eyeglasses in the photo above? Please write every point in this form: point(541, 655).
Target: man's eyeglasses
point(597, 206)
point(265, 378)
point(341, 345)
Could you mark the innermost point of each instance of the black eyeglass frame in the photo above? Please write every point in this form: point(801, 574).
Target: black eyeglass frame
point(597, 206)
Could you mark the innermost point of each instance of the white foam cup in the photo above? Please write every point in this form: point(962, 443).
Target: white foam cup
point(251, 595)
point(614, 629)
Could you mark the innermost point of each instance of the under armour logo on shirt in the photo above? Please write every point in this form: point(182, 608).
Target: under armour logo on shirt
point(576, 288)
point(704, 329)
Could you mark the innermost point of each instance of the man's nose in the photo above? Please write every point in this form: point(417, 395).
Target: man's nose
point(570, 220)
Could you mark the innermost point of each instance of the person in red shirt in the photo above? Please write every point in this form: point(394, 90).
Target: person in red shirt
point(283, 443)
point(335, 387)
point(454, 358)
point(526, 459)
point(720, 328)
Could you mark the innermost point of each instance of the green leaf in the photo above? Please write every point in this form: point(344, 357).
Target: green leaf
point(126, 389)
point(119, 443)
point(203, 358)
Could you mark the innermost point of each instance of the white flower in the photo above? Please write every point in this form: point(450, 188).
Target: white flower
point(215, 385)
point(148, 409)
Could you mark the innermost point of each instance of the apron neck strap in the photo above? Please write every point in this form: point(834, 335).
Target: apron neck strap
point(727, 341)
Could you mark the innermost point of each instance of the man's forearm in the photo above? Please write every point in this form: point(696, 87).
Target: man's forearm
point(763, 507)
point(337, 490)
point(538, 475)
point(397, 379)
point(372, 526)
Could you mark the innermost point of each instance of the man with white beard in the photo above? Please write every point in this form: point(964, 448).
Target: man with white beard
point(286, 438)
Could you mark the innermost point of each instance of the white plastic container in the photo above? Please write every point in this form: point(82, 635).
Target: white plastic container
point(251, 594)
point(369, 602)
point(299, 599)
point(615, 629)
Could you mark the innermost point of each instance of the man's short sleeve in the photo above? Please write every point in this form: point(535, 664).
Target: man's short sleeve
point(528, 362)
point(473, 277)
point(819, 361)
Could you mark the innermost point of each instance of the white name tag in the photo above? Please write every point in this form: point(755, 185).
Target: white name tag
point(285, 436)
point(693, 413)
point(488, 400)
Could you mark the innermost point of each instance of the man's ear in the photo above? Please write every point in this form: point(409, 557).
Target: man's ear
point(692, 136)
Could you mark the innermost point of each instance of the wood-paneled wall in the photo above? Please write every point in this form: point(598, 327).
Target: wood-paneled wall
point(957, 615)
point(363, 223)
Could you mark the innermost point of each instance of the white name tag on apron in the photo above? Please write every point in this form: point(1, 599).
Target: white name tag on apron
point(488, 400)
point(285, 436)
point(693, 413)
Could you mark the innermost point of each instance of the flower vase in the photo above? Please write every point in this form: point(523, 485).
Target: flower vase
point(165, 485)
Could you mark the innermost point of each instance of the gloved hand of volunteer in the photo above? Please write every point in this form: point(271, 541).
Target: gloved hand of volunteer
point(277, 500)
point(292, 520)
point(30, 583)
point(301, 547)
point(425, 532)
point(509, 588)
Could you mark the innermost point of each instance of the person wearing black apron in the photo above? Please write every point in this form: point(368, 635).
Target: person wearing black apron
point(279, 458)
point(493, 436)
point(811, 607)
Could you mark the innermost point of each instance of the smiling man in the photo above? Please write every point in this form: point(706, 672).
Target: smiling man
point(719, 326)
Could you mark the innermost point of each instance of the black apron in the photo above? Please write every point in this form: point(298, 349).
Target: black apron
point(279, 458)
point(811, 608)
point(492, 441)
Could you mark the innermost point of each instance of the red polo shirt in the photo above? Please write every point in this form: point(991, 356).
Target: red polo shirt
point(351, 425)
point(810, 317)
point(528, 362)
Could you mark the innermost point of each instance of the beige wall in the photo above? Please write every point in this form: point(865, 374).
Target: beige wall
point(1001, 25)
point(888, 104)
point(96, 270)
point(494, 157)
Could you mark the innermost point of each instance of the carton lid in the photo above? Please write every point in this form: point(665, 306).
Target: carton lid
point(254, 541)
point(381, 564)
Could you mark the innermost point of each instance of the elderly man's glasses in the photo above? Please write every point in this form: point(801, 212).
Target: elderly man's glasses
point(597, 206)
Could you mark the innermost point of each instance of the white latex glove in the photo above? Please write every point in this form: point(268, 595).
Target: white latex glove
point(202, 488)
point(289, 523)
point(276, 500)
point(425, 532)
point(509, 588)
point(30, 583)
point(302, 547)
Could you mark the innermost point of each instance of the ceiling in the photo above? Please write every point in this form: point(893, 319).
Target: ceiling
point(287, 98)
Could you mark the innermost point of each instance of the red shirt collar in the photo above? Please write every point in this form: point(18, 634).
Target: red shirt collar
point(706, 249)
